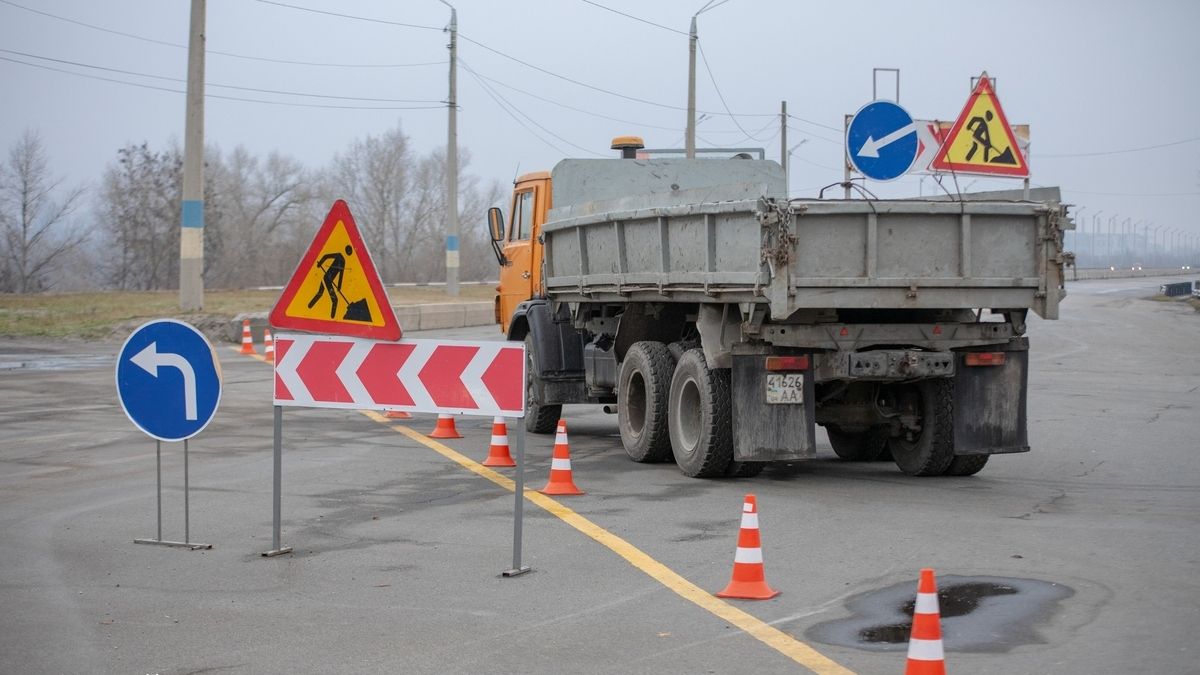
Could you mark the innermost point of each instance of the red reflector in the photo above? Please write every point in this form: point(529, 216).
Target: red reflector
point(937, 330)
point(984, 358)
point(844, 332)
point(787, 362)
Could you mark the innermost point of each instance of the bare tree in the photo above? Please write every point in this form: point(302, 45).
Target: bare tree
point(139, 210)
point(373, 177)
point(254, 206)
point(33, 223)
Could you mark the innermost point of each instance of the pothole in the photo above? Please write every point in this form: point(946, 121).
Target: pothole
point(981, 614)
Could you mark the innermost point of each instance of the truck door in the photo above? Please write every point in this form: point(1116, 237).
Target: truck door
point(516, 275)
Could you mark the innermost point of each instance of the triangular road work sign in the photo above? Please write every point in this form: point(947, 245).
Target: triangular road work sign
point(981, 141)
point(336, 290)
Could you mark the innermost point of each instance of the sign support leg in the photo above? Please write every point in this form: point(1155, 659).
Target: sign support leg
point(187, 539)
point(519, 507)
point(277, 501)
point(158, 471)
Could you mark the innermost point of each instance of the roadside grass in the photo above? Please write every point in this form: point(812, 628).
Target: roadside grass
point(106, 314)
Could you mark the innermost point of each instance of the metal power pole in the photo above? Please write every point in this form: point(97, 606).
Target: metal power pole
point(191, 234)
point(690, 140)
point(452, 161)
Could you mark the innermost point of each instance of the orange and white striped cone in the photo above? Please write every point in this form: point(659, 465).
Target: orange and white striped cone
point(445, 428)
point(925, 653)
point(498, 454)
point(247, 338)
point(396, 415)
point(749, 579)
point(268, 346)
point(561, 481)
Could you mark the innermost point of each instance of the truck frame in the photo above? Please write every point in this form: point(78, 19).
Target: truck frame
point(723, 321)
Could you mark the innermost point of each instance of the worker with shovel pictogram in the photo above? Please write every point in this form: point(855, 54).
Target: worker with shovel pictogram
point(331, 284)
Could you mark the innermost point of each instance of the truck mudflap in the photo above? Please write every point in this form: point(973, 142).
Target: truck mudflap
point(990, 386)
point(557, 358)
point(769, 423)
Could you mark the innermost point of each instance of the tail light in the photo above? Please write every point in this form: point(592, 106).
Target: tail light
point(984, 358)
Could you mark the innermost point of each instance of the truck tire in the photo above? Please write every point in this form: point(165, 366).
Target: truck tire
point(932, 451)
point(540, 418)
point(966, 465)
point(700, 417)
point(860, 446)
point(642, 389)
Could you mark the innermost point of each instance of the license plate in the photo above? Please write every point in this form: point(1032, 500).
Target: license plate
point(785, 388)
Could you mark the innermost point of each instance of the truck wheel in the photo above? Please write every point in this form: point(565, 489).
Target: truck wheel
point(860, 446)
point(966, 465)
point(540, 418)
point(642, 389)
point(700, 417)
point(930, 452)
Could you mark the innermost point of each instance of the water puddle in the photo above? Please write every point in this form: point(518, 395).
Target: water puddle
point(55, 361)
point(981, 614)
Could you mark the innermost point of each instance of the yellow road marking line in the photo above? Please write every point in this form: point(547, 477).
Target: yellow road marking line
point(778, 640)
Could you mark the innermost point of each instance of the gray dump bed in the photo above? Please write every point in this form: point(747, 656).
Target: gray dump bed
point(722, 231)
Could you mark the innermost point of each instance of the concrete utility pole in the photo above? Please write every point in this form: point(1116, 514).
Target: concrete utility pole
point(452, 161)
point(191, 234)
point(690, 135)
point(783, 158)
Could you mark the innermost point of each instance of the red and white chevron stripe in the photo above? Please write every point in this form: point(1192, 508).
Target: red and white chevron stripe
point(433, 376)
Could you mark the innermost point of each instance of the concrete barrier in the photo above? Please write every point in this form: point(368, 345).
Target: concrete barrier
point(431, 316)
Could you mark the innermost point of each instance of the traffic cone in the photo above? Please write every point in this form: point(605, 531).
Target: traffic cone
point(396, 415)
point(247, 338)
point(498, 450)
point(445, 428)
point(748, 582)
point(560, 482)
point(268, 345)
point(925, 653)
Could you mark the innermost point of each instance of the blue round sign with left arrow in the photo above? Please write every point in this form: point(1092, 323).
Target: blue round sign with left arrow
point(881, 140)
point(169, 380)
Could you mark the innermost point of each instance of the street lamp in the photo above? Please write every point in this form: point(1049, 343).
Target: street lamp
point(1095, 233)
point(1111, 221)
point(1079, 228)
point(690, 142)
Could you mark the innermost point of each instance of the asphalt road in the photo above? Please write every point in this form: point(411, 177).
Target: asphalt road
point(1086, 551)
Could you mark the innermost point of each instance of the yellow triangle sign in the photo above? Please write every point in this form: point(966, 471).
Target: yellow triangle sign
point(981, 141)
point(336, 290)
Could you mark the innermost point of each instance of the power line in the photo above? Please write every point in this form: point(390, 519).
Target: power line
point(721, 96)
point(213, 84)
point(569, 107)
point(495, 98)
point(816, 124)
point(351, 16)
point(520, 112)
point(635, 99)
point(1119, 152)
point(217, 96)
point(221, 53)
point(635, 18)
point(809, 134)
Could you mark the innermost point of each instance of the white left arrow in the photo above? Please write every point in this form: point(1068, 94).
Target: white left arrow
point(872, 146)
point(149, 359)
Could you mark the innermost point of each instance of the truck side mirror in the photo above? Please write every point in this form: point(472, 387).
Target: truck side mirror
point(495, 219)
point(496, 223)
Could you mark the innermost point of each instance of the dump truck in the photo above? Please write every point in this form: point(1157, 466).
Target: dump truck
point(723, 322)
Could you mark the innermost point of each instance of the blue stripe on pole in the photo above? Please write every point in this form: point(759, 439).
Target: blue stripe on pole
point(193, 213)
point(451, 243)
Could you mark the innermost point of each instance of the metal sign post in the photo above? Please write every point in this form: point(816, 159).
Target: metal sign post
point(519, 508)
point(187, 538)
point(277, 499)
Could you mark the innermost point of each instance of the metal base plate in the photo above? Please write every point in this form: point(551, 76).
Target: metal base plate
point(178, 544)
point(278, 551)
point(516, 571)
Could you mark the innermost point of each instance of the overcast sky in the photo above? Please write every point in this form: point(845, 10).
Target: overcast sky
point(1109, 88)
